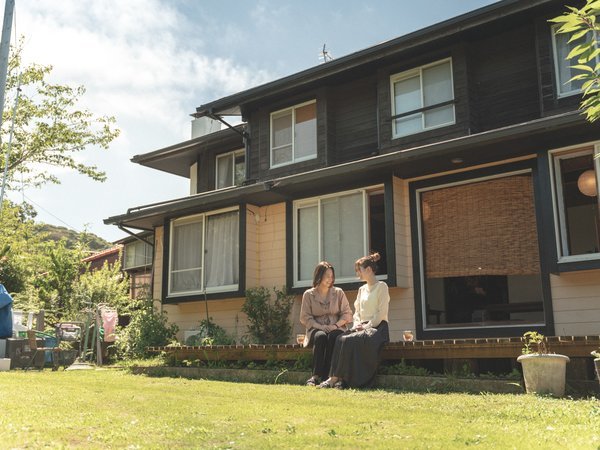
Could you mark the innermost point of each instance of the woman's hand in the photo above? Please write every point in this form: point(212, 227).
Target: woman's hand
point(330, 328)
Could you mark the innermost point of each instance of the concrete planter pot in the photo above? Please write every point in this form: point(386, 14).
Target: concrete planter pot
point(544, 373)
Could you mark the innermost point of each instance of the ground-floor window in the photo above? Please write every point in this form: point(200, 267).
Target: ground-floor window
point(576, 174)
point(339, 228)
point(204, 253)
point(479, 253)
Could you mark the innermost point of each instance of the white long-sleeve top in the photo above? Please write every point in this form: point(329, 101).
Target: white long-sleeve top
point(372, 304)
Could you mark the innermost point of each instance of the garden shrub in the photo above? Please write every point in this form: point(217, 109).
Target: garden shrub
point(210, 334)
point(147, 328)
point(268, 316)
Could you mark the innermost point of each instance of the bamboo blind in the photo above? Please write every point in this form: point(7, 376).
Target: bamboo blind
point(482, 228)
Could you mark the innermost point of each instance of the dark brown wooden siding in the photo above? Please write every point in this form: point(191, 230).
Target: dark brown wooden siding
point(353, 115)
point(504, 76)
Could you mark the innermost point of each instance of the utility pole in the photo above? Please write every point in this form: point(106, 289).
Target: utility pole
point(9, 9)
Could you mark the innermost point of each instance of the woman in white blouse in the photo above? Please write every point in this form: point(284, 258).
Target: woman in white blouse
point(356, 353)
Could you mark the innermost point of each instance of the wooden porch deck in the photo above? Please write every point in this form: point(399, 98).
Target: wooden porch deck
point(509, 347)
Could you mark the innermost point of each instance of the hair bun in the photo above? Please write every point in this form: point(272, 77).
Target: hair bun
point(375, 257)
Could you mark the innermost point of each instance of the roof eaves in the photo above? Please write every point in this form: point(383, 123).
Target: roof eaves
point(375, 162)
point(181, 146)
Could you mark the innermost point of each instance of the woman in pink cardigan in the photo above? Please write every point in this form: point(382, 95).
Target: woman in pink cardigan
point(324, 312)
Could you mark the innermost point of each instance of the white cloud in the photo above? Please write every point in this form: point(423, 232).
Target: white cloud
point(138, 66)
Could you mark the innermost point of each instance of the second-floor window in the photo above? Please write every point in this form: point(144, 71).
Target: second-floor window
point(562, 67)
point(230, 169)
point(422, 99)
point(137, 254)
point(294, 134)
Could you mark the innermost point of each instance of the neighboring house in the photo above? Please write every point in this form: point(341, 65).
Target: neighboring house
point(135, 254)
point(98, 259)
point(456, 151)
point(137, 262)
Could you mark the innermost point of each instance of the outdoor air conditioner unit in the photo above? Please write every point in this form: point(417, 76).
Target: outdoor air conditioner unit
point(188, 334)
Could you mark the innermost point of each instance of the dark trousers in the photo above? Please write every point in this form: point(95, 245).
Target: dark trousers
point(323, 344)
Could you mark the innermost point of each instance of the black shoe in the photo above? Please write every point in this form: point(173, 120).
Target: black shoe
point(313, 381)
point(340, 385)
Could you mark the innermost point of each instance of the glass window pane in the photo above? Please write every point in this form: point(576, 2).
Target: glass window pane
point(437, 84)
point(439, 116)
point(305, 137)
point(186, 281)
point(282, 155)
point(282, 129)
point(240, 169)
point(186, 261)
point(224, 171)
point(222, 249)
point(308, 246)
point(581, 212)
point(128, 256)
point(407, 95)
point(564, 70)
point(377, 229)
point(409, 124)
point(342, 232)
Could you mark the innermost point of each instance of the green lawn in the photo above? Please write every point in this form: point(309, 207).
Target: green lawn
point(113, 409)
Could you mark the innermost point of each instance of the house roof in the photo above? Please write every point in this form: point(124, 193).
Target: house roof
point(232, 104)
point(502, 143)
point(103, 254)
point(178, 158)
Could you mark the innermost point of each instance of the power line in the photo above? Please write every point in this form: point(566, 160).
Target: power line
point(48, 212)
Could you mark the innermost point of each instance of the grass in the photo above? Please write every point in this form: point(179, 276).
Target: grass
point(114, 409)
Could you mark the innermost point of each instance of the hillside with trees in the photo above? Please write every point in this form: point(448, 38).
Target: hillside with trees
point(71, 237)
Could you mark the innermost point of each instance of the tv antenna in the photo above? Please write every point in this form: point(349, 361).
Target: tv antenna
point(325, 55)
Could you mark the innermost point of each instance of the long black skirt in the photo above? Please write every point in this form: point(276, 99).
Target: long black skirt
point(356, 355)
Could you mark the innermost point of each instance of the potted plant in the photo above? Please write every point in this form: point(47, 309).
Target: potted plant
point(543, 372)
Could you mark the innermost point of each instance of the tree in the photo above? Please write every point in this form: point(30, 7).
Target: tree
point(584, 29)
point(106, 285)
point(17, 243)
point(49, 128)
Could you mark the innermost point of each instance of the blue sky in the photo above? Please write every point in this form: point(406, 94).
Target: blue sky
point(150, 63)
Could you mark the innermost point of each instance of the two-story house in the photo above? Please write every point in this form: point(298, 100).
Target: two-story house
point(456, 151)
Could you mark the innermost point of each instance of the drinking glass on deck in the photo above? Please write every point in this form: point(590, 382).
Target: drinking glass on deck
point(300, 338)
point(408, 335)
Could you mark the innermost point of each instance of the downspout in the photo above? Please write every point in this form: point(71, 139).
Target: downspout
point(245, 137)
point(122, 228)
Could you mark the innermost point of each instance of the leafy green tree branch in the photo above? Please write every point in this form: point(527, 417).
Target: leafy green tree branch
point(50, 130)
point(583, 28)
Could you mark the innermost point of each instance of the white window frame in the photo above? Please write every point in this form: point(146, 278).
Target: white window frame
point(423, 299)
point(410, 74)
point(191, 219)
point(312, 201)
point(557, 196)
point(558, 61)
point(234, 154)
point(147, 257)
point(294, 160)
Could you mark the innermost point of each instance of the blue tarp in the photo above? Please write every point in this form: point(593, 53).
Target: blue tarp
point(6, 325)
